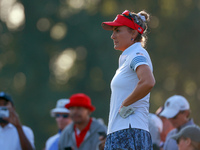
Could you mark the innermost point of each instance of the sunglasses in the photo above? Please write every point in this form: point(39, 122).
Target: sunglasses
point(130, 16)
point(62, 115)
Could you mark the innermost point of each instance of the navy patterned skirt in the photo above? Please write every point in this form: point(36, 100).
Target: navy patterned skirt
point(129, 139)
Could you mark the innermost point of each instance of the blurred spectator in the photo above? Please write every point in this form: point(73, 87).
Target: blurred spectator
point(177, 110)
point(102, 135)
point(167, 126)
point(155, 129)
point(62, 118)
point(84, 132)
point(13, 135)
point(188, 138)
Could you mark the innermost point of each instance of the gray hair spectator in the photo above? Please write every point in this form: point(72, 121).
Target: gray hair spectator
point(63, 119)
point(155, 129)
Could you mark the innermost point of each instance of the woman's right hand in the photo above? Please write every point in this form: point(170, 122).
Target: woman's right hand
point(126, 111)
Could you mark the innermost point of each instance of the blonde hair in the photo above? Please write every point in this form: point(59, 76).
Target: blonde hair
point(143, 23)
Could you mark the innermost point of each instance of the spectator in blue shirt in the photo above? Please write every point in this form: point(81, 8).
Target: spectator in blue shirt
point(63, 119)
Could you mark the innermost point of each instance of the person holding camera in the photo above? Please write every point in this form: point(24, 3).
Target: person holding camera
point(84, 132)
point(13, 135)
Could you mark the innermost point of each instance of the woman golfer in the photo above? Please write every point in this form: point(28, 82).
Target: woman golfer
point(131, 84)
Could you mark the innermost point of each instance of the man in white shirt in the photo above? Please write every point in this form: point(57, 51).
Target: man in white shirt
point(13, 135)
point(63, 119)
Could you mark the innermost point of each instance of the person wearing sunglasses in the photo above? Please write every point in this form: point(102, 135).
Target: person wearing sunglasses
point(177, 110)
point(63, 119)
point(188, 138)
point(131, 84)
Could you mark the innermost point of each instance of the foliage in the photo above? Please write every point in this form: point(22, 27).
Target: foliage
point(59, 49)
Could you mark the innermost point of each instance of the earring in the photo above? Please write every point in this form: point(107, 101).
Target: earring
point(132, 39)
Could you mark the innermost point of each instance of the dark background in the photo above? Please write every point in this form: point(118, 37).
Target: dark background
point(53, 49)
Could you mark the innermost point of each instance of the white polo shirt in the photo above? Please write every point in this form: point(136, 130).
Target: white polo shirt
point(123, 84)
point(9, 138)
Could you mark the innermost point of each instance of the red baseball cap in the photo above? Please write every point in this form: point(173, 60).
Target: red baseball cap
point(80, 99)
point(124, 19)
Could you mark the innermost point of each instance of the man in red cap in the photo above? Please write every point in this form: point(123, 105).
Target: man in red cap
point(83, 133)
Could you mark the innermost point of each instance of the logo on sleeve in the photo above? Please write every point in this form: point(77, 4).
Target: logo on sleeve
point(138, 53)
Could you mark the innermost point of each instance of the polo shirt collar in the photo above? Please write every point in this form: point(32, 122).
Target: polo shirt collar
point(9, 125)
point(94, 126)
point(130, 48)
point(190, 122)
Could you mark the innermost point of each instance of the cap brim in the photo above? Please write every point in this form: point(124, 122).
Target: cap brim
point(91, 108)
point(176, 136)
point(110, 25)
point(169, 113)
point(5, 98)
point(58, 110)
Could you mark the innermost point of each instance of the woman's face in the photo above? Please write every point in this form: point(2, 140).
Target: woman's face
point(122, 37)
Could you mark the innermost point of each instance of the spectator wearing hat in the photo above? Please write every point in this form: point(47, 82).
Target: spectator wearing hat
point(167, 126)
point(13, 135)
point(155, 129)
point(62, 118)
point(188, 138)
point(83, 133)
point(177, 110)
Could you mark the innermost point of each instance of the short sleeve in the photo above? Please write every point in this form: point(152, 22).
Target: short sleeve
point(29, 135)
point(137, 61)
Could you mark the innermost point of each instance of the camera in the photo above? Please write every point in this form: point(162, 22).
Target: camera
point(4, 112)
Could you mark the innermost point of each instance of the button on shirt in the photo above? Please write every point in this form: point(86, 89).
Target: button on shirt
point(123, 84)
point(9, 138)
